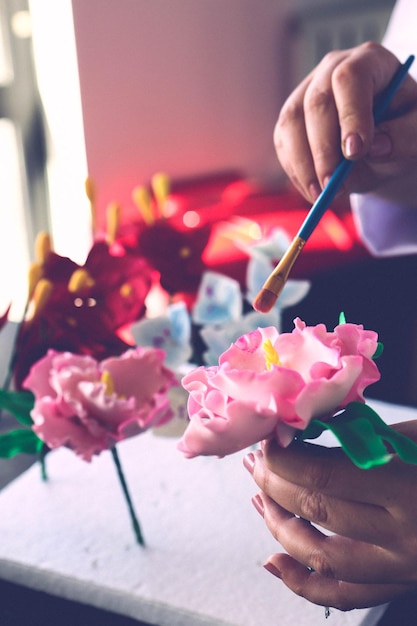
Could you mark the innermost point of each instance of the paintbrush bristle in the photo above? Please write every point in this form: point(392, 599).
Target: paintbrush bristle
point(275, 282)
point(264, 301)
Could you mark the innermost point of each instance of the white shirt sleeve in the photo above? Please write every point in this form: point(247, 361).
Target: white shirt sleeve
point(387, 229)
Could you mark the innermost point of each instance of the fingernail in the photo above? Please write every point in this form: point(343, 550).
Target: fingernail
point(327, 180)
point(258, 504)
point(249, 462)
point(270, 567)
point(314, 191)
point(353, 145)
point(381, 146)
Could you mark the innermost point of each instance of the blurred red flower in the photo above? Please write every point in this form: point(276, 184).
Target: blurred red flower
point(85, 306)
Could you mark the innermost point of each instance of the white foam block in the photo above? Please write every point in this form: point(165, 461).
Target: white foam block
point(71, 537)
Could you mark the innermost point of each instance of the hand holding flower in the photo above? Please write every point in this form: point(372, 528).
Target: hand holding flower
point(371, 557)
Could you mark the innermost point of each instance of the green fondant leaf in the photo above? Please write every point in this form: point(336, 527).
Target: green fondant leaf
point(19, 404)
point(19, 441)
point(379, 350)
point(342, 318)
point(363, 436)
point(313, 430)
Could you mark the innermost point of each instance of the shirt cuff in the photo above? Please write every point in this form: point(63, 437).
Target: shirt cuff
point(385, 228)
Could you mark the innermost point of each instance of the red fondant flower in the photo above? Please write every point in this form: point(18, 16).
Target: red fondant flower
point(84, 306)
point(176, 255)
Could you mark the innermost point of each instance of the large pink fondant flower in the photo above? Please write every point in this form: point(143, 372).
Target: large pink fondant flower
point(271, 385)
point(89, 405)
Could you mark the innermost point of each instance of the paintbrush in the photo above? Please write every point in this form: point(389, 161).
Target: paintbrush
point(275, 282)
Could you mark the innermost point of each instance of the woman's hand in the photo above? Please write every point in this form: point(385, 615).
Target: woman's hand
point(371, 555)
point(330, 114)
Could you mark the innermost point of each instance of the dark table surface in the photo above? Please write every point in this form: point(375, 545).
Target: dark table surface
point(20, 606)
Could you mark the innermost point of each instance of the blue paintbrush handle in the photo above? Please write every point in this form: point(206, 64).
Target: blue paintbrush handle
point(327, 195)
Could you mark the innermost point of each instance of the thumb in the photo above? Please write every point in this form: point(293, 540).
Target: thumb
point(396, 139)
point(357, 81)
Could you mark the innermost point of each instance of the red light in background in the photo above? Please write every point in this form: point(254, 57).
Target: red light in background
point(191, 219)
point(337, 232)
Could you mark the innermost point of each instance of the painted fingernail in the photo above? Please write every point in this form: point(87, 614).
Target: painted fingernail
point(258, 504)
point(249, 462)
point(326, 181)
point(314, 191)
point(381, 146)
point(272, 569)
point(353, 145)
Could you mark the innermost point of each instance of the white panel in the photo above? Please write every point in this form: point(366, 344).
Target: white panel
point(14, 259)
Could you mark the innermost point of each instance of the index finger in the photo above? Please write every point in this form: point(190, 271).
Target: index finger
point(325, 591)
point(329, 471)
point(356, 81)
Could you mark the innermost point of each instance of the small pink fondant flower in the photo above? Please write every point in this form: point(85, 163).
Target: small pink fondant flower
point(89, 405)
point(270, 385)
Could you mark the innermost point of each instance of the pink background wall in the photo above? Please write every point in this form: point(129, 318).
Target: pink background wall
point(183, 86)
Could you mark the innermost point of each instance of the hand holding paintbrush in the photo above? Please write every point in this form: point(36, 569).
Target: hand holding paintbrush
point(273, 286)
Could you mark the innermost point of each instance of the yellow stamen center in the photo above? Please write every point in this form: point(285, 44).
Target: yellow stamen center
point(80, 281)
point(270, 354)
point(34, 276)
point(142, 199)
point(43, 247)
point(41, 295)
point(113, 221)
point(90, 190)
point(126, 290)
point(160, 184)
point(107, 380)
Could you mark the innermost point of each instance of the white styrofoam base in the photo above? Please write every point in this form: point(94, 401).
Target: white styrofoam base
point(71, 537)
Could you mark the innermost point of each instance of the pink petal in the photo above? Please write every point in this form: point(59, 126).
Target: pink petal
point(139, 373)
point(56, 431)
point(219, 436)
point(38, 378)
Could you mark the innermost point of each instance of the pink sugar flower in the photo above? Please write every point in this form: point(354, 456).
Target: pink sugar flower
point(89, 406)
point(271, 385)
